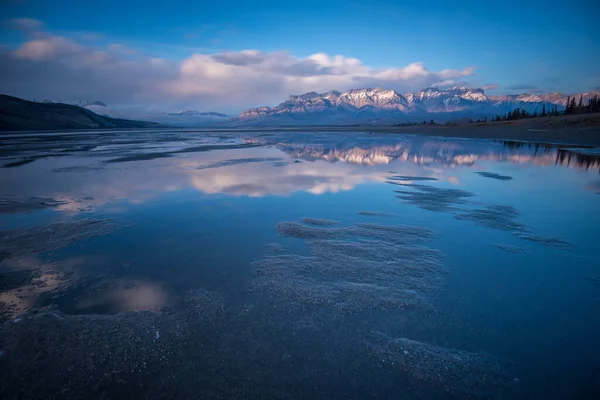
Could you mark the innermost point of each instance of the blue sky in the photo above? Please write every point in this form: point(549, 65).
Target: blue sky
point(522, 46)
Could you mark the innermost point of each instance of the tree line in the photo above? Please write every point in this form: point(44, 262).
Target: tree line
point(574, 107)
point(521, 113)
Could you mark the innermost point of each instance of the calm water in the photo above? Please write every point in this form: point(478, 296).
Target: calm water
point(181, 264)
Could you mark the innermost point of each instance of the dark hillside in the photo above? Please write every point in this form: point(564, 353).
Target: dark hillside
point(18, 115)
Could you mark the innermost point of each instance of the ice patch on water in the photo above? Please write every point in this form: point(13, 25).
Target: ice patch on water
point(433, 198)
point(274, 248)
point(411, 178)
point(547, 240)
point(458, 372)
point(511, 249)
point(354, 268)
point(39, 239)
point(238, 161)
point(319, 221)
point(376, 214)
point(494, 216)
point(9, 205)
point(492, 175)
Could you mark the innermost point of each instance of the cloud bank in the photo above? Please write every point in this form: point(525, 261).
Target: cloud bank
point(58, 67)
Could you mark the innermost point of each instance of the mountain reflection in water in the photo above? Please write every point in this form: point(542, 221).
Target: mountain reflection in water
point(278, 164)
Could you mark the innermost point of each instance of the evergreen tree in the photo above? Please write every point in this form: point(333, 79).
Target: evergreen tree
point(572, 106)
point(594, 106)
point(580, 107)
point(568, 106)
point(543, 114)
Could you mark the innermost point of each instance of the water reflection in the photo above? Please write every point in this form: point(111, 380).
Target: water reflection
point(83, 184)
point(582, 157)
point(427, 151)
point(360, 232)
point(281, 165)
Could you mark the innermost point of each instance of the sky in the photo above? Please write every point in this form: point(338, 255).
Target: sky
point(230, 55)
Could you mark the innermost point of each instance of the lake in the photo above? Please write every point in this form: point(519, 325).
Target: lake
point(162, 264)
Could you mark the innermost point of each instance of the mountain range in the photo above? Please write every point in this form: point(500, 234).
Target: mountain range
point(198, 114)
point(191, 118)
point(377, 105)
point(369, 106)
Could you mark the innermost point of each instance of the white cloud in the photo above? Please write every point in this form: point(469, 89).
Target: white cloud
point(48, 48)
point(49, 66)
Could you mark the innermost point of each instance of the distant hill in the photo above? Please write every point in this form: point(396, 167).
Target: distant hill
point(78, 103)
point(19, 115)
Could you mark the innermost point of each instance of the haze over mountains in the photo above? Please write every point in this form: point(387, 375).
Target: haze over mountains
point(177, 118)
point(377, 105)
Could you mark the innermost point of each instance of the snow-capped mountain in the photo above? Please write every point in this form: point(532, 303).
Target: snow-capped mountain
point(193, 113)
point(556, 98)
point(373, 105)
point(191, 118)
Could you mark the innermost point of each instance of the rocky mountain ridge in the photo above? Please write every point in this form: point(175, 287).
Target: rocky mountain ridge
point(370, 104)
point(194, 113)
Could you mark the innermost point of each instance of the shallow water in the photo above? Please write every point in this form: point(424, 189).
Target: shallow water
point(319, 265)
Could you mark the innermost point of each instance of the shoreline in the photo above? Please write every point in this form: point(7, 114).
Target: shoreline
point(573, 130)
point(582, 137)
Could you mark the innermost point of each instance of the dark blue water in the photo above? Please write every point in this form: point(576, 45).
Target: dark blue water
point(505, 316)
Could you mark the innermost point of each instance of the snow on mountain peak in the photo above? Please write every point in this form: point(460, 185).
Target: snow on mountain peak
point(195, 113)
point(376, 103)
